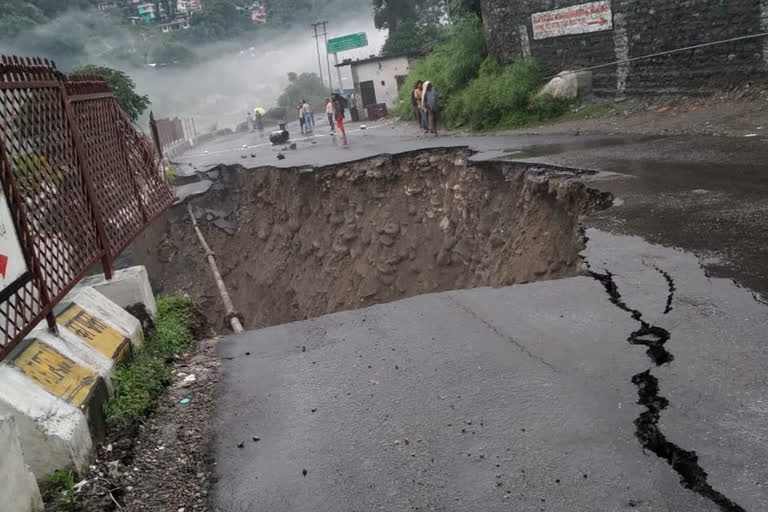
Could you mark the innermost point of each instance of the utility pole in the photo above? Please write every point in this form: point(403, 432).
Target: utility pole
point(338, 70)
point(317, 45)
point(327, 57)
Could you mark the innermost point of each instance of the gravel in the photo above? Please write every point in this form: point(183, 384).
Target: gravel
point(163, 464)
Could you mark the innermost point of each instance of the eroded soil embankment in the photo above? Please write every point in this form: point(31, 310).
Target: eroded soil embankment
point(298, 243)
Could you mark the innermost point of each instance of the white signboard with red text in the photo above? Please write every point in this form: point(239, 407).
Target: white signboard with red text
point(13, 266)
point(578, 19)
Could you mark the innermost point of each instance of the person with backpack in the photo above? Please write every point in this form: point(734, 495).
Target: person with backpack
point(339, 104)
point(423, 106)
point(432, 107)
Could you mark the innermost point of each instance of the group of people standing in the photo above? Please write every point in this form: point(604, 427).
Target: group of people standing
point(306, 117)
point(425, 101)
point(335, 107)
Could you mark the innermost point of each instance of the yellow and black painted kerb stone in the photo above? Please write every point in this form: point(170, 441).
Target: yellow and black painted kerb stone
point(95, 332)
point(55, 372)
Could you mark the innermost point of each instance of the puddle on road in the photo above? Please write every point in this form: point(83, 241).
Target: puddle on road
point(539, 150)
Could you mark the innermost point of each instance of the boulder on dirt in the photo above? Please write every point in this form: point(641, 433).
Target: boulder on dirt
point(569, 85)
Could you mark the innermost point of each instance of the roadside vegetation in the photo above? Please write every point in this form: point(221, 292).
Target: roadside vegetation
point(140, 382)
point(476, 91)
point(60, 493)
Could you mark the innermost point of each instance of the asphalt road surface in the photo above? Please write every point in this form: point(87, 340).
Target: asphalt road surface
point(639, 387)
point(517, 398)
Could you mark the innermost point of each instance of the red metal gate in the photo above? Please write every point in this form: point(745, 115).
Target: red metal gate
point(80, 180)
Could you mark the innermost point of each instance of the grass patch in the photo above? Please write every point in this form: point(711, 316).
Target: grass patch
point(60, 493)
point(170, 174)
point(141, 381)
point(503, 97)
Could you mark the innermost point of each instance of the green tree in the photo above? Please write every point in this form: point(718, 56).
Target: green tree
point(219, 20)
point(390, 13)
point(122, 86)
point(411, 39)
point(288, 12)
point(306, 86)
point(461, 8)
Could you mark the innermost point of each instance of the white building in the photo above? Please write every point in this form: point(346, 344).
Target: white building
point(377, 80)
point(188, 6)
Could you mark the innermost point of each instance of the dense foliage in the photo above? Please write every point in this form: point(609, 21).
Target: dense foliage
point(306, 86)
point(454, 63)
point(123, 87)
point(19, 15)
point(476, 91)
point(418, 27)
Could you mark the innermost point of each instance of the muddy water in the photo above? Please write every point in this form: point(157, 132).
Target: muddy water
point(299, 243)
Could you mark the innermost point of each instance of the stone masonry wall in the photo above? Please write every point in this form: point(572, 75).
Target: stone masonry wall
point(642, 27)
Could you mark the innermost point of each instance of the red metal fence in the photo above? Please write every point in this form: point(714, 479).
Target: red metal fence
point(80, 180)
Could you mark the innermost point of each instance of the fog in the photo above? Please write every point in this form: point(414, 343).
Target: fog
point(242, 77)
point(230, 79)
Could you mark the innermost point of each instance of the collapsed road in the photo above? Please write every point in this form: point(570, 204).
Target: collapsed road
point(614, 375)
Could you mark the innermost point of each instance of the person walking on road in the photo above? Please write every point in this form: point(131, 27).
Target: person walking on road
point(330, 113)
point(432, 106)
point(339, 104)
point(307, 108)
point(300, 112)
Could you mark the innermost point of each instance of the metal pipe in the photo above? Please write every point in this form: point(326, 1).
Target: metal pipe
point(237, 326)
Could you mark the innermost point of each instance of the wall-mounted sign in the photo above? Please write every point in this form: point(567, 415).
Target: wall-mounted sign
point(578, 19)
point(13, 266)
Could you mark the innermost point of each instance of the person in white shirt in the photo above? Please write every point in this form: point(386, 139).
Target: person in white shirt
point(329, 113)
point(307, 117)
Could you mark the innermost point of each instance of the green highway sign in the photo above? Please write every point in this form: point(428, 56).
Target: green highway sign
point(350, 42)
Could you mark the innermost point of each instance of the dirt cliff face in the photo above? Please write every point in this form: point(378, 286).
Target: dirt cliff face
point(298, 243)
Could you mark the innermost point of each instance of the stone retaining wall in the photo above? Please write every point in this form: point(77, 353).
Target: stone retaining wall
point(640, 28)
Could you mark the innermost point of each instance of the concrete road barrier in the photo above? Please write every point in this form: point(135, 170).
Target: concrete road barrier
point(127, 287)
point(17, 485)
point(55, 384)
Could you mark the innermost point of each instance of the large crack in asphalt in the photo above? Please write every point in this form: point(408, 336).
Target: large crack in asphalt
point(684, 462)
point(670, 285)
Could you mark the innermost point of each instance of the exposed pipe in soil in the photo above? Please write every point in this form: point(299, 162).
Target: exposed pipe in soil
point(303, 242)
point(231, 314)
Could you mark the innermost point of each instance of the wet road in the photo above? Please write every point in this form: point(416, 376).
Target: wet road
point(521, 398)
point(640, 387)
